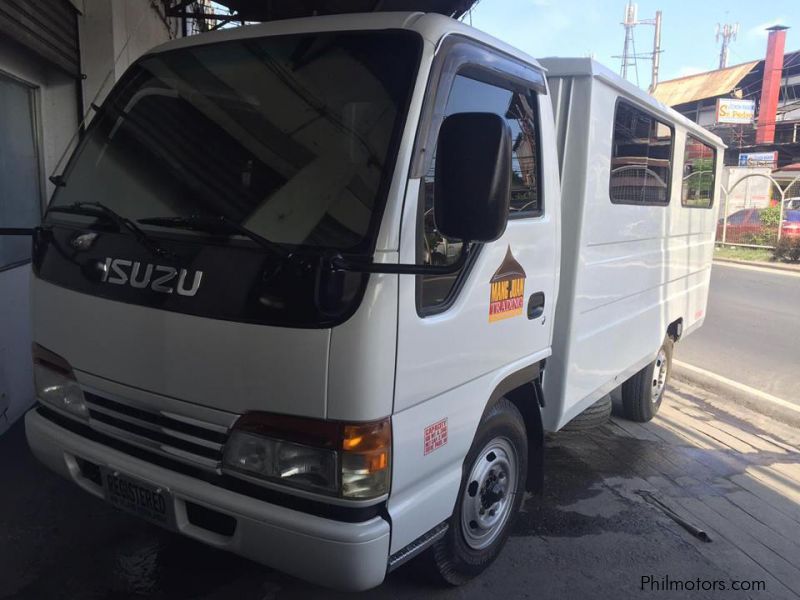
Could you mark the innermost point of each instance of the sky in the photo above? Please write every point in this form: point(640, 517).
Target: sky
point(592, 28)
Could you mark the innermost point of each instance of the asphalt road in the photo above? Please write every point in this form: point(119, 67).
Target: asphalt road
point(752, 330)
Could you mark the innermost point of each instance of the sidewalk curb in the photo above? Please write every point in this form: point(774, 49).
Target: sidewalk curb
point(726, 391)
point(759, 263)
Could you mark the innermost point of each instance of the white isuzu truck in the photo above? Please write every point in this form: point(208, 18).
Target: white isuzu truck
point(313, 291)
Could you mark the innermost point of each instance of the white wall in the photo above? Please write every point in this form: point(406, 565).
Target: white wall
point(753, 192)
point(138, 26)
point(121, 31)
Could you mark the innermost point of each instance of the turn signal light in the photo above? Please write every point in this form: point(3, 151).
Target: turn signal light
point(366, 449)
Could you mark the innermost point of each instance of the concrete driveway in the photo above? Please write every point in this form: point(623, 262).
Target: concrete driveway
point(602, 529)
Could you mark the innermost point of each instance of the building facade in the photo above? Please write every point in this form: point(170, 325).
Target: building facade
point(770, 87)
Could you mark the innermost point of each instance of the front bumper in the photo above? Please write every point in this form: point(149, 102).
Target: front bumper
point(348, 556)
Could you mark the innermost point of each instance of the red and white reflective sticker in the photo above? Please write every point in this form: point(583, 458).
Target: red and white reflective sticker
point(435, 436)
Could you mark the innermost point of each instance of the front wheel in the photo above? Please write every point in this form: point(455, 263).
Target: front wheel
point(643, 393)
point(491, 492)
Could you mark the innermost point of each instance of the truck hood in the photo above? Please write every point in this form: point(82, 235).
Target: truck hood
point(234, 367)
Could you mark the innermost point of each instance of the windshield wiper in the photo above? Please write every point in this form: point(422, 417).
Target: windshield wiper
point(216, 225)
point(97, 209)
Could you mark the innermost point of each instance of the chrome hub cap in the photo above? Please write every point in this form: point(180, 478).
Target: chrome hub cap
point(660, 373)
point(489, 494)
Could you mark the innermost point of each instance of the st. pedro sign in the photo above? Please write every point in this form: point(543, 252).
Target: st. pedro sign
point(734, 110)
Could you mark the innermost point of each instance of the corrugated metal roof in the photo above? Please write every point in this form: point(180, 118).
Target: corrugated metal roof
point(702, 85)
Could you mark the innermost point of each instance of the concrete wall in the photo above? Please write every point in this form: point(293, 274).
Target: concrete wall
point(113, 34)
point(753, 192)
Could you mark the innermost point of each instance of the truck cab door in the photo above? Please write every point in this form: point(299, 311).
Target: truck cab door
point(460, 334)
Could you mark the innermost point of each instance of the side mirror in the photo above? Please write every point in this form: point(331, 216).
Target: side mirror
point(471, 195)
point(473, 177)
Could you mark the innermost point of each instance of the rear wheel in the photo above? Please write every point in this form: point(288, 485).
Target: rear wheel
point(643, 393)
point(491, 492)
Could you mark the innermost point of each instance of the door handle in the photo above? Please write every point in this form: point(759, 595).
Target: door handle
point(536, 305)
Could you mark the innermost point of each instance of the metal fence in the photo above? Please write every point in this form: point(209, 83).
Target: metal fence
point(757, 211)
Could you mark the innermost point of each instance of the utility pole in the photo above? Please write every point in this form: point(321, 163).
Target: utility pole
point(656, 51)
point(629, 57)
point(727, 33)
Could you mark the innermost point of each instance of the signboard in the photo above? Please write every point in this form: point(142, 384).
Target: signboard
point(758, 159)
point(733, 110)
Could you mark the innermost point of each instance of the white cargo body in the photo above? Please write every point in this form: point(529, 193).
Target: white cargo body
point(313, 291)
point(627, 272)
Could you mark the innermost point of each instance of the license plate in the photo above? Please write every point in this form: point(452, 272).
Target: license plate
point(139, 498)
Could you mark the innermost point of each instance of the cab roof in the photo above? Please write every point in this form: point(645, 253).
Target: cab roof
point(431, 26)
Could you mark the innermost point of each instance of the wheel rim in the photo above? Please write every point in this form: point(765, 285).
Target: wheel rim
point(489, 494)
point(660, 372)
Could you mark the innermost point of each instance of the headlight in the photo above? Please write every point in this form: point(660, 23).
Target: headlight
point(55, 383)
point(294, 464)
point(342, 459)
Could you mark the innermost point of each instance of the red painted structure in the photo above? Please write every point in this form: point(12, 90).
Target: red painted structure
point(771, 87)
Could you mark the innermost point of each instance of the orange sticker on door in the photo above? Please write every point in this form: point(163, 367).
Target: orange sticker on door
point(507, 289)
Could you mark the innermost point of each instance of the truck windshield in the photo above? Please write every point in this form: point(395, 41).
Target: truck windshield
point(291, 137)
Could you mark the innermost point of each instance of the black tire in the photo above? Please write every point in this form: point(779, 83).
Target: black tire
point(643, 393)
point(594, 416)
point(456, 559)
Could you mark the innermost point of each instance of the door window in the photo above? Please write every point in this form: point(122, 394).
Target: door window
point(20, 194)
point(519, 111)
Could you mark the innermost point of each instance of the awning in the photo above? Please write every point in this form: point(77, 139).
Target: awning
point(273, 10)
point(703, 85)
point(788, 172)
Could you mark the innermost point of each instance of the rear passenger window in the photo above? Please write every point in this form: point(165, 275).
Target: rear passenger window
point(697, 190)
point(641, 158)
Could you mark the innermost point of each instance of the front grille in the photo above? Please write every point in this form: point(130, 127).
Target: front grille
point(187, 440)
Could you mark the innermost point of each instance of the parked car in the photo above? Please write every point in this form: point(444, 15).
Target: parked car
point(791, 224)
point(745, 223)
point(792, 203)
point(742, 223)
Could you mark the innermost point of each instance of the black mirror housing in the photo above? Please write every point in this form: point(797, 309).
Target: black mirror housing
point(473, 177)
